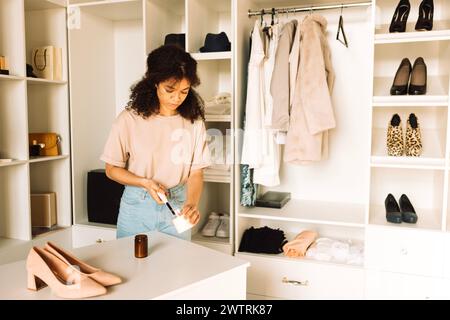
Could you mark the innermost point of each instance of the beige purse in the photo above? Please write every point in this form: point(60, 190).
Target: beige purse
point(47, 62)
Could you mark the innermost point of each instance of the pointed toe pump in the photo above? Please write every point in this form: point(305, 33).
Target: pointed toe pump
point(418, 84)
point(401, 79)
point(413, 140)
point(426, 12)
point(409, 215)
point(394, 142)
point(64, 280)
point(104, 278)
point(400, 17)
point(393, 213)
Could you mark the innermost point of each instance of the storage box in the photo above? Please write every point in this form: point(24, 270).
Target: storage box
point(43, 209)
point(273, 199)
point(103, 197)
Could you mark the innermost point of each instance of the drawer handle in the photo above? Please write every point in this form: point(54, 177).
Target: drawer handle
point(295, 283)
point(99, 240)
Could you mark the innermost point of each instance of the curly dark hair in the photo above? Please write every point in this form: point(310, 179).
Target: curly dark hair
point(164, 63)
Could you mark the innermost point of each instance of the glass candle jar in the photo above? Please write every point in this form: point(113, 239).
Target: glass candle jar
point(141, 246)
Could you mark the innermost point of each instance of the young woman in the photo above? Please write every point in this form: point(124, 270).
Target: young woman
point(158, 144)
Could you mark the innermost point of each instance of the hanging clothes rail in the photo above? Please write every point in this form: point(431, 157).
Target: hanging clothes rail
point(270, 11)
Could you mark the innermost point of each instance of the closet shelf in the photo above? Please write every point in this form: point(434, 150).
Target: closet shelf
point(282, 257)
point(44, 4)
point(428, 219)
point(43, 159)
point(199, 238)
point(212, 55)
point(437, 95)
point(440, 32)
point(217, 118)
point(115, 10)
point(220, 178)
point(306, 211)
point(44, 81)
point(13, 163)
point(4, 77)
point(433, 154)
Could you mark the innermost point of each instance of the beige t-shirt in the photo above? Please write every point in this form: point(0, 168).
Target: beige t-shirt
point(163, 148)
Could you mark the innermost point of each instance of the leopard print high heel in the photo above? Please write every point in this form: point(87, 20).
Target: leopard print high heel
point(413, 142)
point(394, 142)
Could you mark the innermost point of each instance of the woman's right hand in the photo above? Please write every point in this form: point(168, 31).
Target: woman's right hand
point(153, 187)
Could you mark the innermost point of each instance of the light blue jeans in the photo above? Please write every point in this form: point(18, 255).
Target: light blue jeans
point(140, 213)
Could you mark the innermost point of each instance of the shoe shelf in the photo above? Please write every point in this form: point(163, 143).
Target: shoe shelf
point(433, 154)
point(198, 237)
point(216, 178)
point(429, 219)
point(44, 4)
point(437, 94)
point(212, 55)
point(314, 212)
point(440, 32)
point(43, 81)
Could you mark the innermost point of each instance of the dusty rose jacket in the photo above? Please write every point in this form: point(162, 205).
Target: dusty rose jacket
point(312, 112)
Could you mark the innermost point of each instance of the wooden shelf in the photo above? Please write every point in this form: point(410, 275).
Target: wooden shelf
point(429, 219)
point(114, 10)
point(13, 163)
point(43, 81)
point(316, 212)
point(43, 159)
point(212, 55)
point(437, 94)
point(440, 32)
point(433, 154)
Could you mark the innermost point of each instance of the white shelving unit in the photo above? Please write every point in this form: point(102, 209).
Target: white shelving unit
point(31, 105)
point(121, 34)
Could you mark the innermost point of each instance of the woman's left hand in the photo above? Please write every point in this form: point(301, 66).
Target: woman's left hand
point(190, 212)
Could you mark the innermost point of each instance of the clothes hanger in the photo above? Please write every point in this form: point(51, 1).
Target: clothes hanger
point(273, 15)
point(341, 28)
point(262, 17)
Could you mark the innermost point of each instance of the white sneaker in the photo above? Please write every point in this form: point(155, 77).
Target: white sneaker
point(223, 231)
point(209, 230)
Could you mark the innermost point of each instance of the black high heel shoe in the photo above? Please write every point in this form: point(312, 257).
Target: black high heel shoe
point(401, 79)
point(398, 23)
point(409, 215)
point(393, 213)
point(426, 12)
point(418, 83)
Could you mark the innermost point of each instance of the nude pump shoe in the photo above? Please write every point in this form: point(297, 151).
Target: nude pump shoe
point(104, 278)
point(64, 280)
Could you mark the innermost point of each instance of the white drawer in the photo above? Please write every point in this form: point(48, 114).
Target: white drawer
point(296, 279)
point(405, 251)
point(86, 235)
point(393, 286)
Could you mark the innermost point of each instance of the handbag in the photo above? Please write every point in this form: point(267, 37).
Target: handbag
point(50, 143)
point(47, 62)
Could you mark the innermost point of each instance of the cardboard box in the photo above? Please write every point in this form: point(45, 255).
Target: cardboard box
point(43, 209)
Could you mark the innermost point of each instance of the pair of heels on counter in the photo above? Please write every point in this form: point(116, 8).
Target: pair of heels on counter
point(424, 21)
point(65, 274)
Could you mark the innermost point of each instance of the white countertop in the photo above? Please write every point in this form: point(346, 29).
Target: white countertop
point(172, 265)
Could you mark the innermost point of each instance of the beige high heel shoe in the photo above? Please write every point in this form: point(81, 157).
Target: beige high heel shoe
point(104, 278)
point(64, 280)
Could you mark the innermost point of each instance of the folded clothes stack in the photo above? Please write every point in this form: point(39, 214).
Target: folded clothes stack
point(325, 249)
point(219, 104)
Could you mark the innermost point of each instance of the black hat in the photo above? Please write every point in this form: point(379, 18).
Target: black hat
point(216, 42)
point(178, 39)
